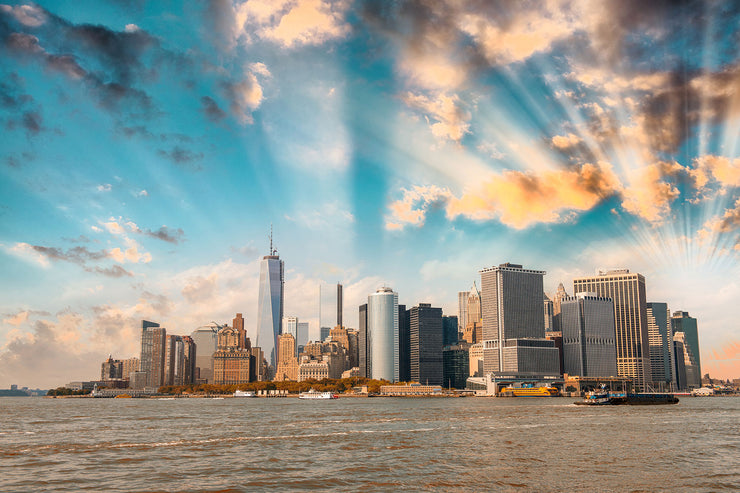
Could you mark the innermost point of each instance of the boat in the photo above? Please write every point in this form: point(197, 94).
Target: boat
point(244, 393)
point(314, 394)
point(598, 398)
point(529, 392)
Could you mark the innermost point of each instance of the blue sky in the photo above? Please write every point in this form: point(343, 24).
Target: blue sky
point(147, 148)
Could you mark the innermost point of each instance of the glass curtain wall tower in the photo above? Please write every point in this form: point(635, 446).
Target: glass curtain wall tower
point(270, 305)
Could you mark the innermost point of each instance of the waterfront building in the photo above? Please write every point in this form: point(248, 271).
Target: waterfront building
point(455, 366)
point(137, 379)
point(287, 367)
point(682, 322)
point(557, 339)
point(462, 310)
point(231, 363)
point(627, 291)
point(589, 337)
point(206, 340)
point(270, 305)
point(383, 334)
point(129, 366)
point(152, 352)
point(189, 358)
point(174, 360)
point(411, 389)
point(425, 329)
point(351, 373)
point(450, 334)
point(513, 325)
point(364, 343)
point(687, 370)
point(475, 358)
point(311, 369)
point(660, 337)
point(404, 345)
point(111, 369)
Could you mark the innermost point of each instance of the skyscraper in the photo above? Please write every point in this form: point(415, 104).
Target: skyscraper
point(231, 363)
point(302, 336)
point(152, 352)
point(238, 324)
point(206, 342)
point(339, 304)
point(287, 367)
point(513, 325)
point(364, 343)
point(548, 313)
point(425, 329)
point(683, 322)
point(660, 337)
point(450, 335)
point(462, 310)
point(382, 328)
point(560, 295)
point(290, 326)
point(404, 345)
point(189, 362)
point(627, 291)
point(589, 345)
point(270, 304)
point(474, 312)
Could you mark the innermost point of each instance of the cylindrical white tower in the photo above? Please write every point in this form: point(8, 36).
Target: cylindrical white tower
point(382, 329)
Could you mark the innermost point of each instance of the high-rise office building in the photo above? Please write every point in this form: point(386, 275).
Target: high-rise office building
point(382, 328)
point(404, 345)
point(425, 329)
point(559, 296)
point(364, 343)
point(589, 337)
point(682, 322)
point(287, 367)
point(462, 310)
point(548, 306)
point(270, 305)
point(324, 333)
point(302, 336)
point(679, 360)
point(206, 342)
point(450, 334)
point(455, 366)
point(513, 325)
point(174, 360)
point(231, 363)
point(660, 337)
point(152, 352)
point(238, 324)
point(339, 304)
point(475, 314)
point(190, 355)
point(111, 369)
point(290, 326)
point(627, 291)
point(130, 365)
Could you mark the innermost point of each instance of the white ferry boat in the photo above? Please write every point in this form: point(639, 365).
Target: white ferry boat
point(313, 394)
point(244, 393)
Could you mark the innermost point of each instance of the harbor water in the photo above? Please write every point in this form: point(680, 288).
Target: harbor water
point(360, 444)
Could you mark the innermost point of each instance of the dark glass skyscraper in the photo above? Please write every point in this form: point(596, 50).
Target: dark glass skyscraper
point(425, 334)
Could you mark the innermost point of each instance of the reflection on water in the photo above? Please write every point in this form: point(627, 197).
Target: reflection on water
point(468, 444)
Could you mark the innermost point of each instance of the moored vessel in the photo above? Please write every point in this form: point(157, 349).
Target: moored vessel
point(313, 394)
point(244, 393)
point(529, 392)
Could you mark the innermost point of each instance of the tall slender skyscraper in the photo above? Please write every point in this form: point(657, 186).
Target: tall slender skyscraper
point(513, 325)
point(474, 306)
point(339, 304)
point(270, 304)
point(660, 335)
point(364, 343)
point(382, 327)
point(462, 310)
point(630, 314)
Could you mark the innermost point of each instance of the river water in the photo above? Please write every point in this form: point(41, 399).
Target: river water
point(360, 444)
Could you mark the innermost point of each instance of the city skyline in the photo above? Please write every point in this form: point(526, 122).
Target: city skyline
point(145, 153)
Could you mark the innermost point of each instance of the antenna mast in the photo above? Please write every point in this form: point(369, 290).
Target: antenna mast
point(273, 251)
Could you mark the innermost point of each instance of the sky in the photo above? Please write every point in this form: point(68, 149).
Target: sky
point(148, 147)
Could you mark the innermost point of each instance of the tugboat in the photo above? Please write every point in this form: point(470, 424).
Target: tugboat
point(602, 397)
point(313, 394)
point(596, 398)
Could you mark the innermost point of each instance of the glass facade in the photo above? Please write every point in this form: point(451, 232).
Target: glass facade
point(270, 307)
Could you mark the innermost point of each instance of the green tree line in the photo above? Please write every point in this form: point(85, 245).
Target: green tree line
point(66, 391)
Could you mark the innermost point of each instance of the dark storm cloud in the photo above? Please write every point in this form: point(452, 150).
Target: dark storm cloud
point(211, 109)
point(182, 157)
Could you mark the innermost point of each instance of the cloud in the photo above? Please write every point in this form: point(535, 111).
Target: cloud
point(182, 157)
point(142, 193)
point(201, 289)
point(716, 169)
point(327, 216)
point(647, 195)
point(28, 15)
point(450, 120)
point(515, 198)
point(114, 271)
point(244, 96)
point(211, 109)
point(105, 187)
point(412, 208)
point(565, 142)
